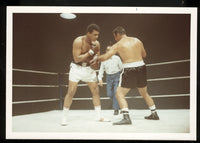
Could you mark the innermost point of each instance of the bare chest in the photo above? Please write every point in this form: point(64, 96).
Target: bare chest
point(85, 47)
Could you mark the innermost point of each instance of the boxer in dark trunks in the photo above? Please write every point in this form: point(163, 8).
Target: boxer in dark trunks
point(132, 52)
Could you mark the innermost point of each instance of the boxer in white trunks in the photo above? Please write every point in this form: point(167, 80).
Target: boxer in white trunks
point(84, 49)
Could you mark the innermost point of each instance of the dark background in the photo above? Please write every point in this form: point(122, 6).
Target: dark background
point(44, 41)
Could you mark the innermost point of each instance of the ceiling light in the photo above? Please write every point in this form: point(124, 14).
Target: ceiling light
point(68, 15)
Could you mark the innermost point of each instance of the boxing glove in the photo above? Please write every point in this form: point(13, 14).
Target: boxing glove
point(94, 49)
point(94, 64)
point(93, 60)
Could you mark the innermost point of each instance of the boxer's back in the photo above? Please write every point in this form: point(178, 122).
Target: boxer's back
point(130, 49)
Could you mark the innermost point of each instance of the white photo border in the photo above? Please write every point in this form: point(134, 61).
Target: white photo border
point(96, 9)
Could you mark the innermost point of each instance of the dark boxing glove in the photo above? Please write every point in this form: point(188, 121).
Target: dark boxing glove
point(94, 64)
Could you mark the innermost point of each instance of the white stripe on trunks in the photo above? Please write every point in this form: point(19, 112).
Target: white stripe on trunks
point(134, 64)
point(129, 65)
point(120, 79)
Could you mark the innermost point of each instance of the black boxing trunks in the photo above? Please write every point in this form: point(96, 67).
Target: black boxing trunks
point(133, 75)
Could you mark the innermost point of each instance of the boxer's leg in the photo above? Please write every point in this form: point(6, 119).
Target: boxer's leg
point(115, 102)
point(142, 88)
point(94, 88)
point(68, 101)
point(143, 92)
point(96, 99)
point(70, 93)
point(121, 93)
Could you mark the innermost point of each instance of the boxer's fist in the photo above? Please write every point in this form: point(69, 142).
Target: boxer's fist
point(94, 64)
point(94, 49)
point(101, 82)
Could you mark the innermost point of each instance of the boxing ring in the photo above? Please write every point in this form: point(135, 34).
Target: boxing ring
point(42, 113)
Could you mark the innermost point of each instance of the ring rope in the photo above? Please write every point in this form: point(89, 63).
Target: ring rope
point(154, 64)
point(172, 62)
point(101, 98)
point(33, 71)
point(130, 97)
point(25, 85)
point(157, 79)
point(168, 78)
point(32, 101)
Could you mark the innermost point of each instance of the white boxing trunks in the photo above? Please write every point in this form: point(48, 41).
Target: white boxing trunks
point(83, 73)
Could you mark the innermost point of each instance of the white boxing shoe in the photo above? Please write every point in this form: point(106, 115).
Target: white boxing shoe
point(64, 121)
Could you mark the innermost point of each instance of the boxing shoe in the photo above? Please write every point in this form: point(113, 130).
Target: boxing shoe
point(64, 121)
point(153, 116)
point(125, 121)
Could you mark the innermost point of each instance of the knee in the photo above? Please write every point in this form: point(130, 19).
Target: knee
point(118, 95)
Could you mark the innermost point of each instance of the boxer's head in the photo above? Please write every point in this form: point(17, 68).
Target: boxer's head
point(93, 32)
point(118, 32)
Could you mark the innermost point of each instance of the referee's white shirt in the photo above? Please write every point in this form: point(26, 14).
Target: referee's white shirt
point(110, 66)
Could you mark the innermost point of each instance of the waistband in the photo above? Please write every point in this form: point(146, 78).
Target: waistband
point(134, 64)
point(83, 64)
point(116, 73)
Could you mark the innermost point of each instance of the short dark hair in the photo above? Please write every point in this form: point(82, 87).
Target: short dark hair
point(119, 30)
point(92, 27)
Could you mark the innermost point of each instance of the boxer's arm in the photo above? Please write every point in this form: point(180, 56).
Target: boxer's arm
point(98, 53)
point(110, 53)
point(94, 59)
point(78, 57)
